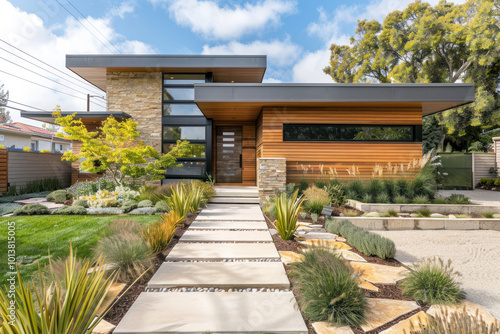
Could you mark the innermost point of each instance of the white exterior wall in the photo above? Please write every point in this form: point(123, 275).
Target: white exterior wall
point(14, 139)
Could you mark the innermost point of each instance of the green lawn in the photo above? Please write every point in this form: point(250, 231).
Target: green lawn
point(36, 236)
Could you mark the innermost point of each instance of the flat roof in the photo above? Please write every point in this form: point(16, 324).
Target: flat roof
point(235, 68)
point(245, 101)
point(87, 117)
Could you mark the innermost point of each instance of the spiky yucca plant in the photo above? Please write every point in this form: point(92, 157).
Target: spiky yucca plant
point(195, 196)
point(179, 200)
point(287, 211)
point(66, 306)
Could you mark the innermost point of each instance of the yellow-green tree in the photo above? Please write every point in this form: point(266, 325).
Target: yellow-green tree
point(114, 149)
point(445, 43)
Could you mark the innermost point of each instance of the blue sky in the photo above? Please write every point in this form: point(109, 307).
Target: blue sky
point(295, 34)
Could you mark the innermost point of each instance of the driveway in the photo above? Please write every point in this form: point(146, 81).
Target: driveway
point(475, 254)
point(478, 196)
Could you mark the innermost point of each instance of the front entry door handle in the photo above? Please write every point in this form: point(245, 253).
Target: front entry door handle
point(241, 160)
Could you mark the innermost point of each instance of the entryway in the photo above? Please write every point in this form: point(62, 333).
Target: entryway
point(229, 155)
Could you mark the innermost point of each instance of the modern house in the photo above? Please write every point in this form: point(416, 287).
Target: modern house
point(19, 135)
point(245, 132)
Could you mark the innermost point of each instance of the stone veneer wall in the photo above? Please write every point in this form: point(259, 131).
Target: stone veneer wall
point(271, 175)
point(139, 95)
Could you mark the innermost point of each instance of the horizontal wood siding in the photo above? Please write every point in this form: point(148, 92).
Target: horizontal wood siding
point(31, 166)
point(308, 158)
point(4, 171)
point(483, 162)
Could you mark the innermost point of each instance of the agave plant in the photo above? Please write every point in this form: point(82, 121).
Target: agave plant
point(287, 211)
point(66, 306)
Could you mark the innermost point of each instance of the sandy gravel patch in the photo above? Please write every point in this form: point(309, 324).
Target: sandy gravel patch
point(475, 254)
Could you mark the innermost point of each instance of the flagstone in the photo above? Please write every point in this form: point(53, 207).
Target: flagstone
point(222, 251)
point(350, 256)
point(31, 200)
point(216, 312)
point(381, 311)
point(113, 292)
point(103, 327)
point(329, 243)
point(225, 236)
point(366, 285)
point(378, 274)
point(303, 235)
point(291, 257)
point(220, 275)
point(322, 327)
point(470, 308)
point(405, 326)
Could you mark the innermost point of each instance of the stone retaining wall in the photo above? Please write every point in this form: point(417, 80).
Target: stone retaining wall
point(271, 175)
point(445, 209)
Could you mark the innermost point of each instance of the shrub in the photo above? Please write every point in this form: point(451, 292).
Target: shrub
point(367, 199)
point(375, 187)
point(488, 215)
point(320, 184)
point(433, 282)
point(487, 181)
point(7, 208)
point(392, 213)
point(425, 212)
point(67, 304)
point(27, 149)
point(290, 189)
point(314, 217)
point(287, 211)
point(162, 206)
point(382, 198)
point(179, 200)
point(32, 210)
point(303, 185)
point(497, 182)
point(401, 199)
point(37, 186)
point(356, 189)
point(160, 234)
point(131, 254)
point(71, 210)
point(128, 206)
point(59, 196)
point(2, 147)
point(329, 289)
point(316, 198)
point(390, 189)
point(45, 151)
point(460, 321)
point(81, 202)
point(366, 242)
point(336, 194)
point(421, 199)
point(403, 188)
point(458, 199)
point(145, 204)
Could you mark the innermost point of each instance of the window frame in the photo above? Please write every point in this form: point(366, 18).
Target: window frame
point(416, 132)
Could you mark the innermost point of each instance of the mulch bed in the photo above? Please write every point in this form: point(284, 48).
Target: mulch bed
point(127, 298)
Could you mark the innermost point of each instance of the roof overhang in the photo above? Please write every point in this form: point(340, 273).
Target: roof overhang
point(93, 68)
point(245, 101)
point(87, 117)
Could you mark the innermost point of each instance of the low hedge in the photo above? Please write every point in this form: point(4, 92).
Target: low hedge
point(31, 210)
point(490, 182)
point(71, 210)
point(59, 196)
point(366, 242)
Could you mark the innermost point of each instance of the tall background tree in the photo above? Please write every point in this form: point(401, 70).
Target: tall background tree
point(4, 114)
point(446, 43)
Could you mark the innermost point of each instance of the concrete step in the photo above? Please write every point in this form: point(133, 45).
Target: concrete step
point(234, 200)
point(220, 275)
point(228, 225)
point(226, 191)
point(222, 251)
point(242, 212)
point(214, 312)
point(226, 236)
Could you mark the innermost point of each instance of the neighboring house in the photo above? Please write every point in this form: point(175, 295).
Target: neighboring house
point(18, 135)
point(245, 132)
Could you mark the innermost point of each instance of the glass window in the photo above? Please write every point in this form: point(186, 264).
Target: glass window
point(184, 78)
point(181, 109)
point(184, 132)
point(307, 132)
point(195, 150)
point(179, 94)
point(188, 168)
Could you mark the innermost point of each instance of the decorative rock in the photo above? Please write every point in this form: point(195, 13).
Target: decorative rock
point(366, 285)
point(316, 235)
point(403, 214)
point(341, 239)
point(438, 215)
point(409, 324)
point(470, 308)
point(273, 231)
point(382, 311)
point(452, 217)
point(103, 327)
point(372, 214)
point(304, 224)
point(378, 274)
point(291, 257)
point(350, 256)
point(326, 328)
point(325, 243)
point(114, 290)
point(303, 228)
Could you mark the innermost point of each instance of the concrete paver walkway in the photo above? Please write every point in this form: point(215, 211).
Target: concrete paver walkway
point(220, 250)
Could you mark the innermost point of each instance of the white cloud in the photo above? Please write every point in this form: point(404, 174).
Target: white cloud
point(279, 53)
point(28, 32)
point(271, 80)
point(123, 9)
point(309, 68)
point(215, 21)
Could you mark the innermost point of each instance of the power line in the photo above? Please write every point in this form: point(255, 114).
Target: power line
point(35, 83)
point(25, 105)
point(84, 26)
point(41, 61)
point(54, 74)
point(107, 40)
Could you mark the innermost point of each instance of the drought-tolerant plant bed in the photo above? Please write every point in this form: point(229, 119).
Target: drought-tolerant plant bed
point(130, 294)
point(36, 236)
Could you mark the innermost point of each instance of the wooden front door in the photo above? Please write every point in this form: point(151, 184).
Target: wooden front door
point(229, 154)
